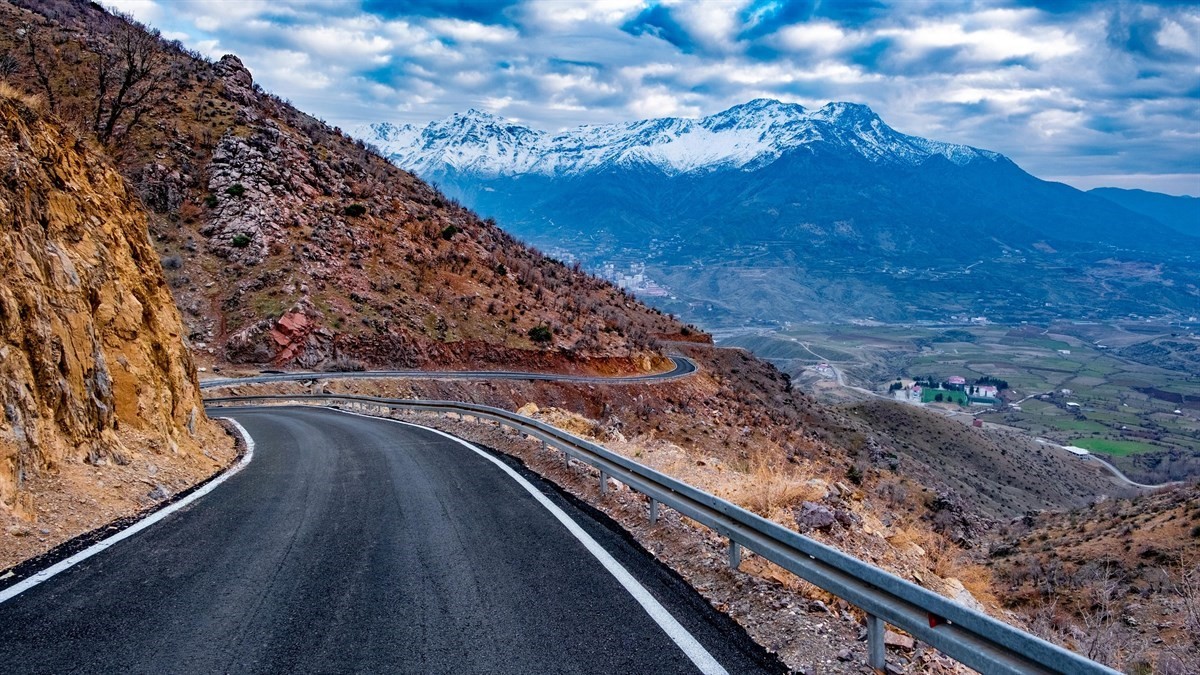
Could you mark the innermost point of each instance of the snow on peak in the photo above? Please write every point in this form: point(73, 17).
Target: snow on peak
point(746, 136)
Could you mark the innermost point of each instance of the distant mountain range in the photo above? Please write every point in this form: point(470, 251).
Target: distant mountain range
point(745, 137)
point(1179, 213)
point(769, 209)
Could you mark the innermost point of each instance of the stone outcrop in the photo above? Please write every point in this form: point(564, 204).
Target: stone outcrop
point(93, 365)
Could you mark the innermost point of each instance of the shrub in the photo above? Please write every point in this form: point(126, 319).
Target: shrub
point(241, 240)
point(540, 333)
point(172, 262)
point(449, 232)
point(501, 269)
point(685, 331)
point(355, 210)
point(854, 474)
point(235, 190)
point(211, 201)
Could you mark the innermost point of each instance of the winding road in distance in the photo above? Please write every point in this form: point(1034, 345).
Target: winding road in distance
point(354, 544)
point(683, 367)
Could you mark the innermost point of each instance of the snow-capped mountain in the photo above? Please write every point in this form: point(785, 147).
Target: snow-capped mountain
point(747, 136)
point(771, 210)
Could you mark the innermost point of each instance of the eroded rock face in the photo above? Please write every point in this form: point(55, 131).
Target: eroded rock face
point(238, 80)
point(91, 348)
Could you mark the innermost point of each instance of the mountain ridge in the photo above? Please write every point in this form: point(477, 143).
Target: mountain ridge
point(746, 135)
point(865, 222)
point(1180, 212)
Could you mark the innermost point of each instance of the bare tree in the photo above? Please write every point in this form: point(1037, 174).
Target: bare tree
point(1187, 587)
point(1108, 639)
point(44, 59)
point(129, 72)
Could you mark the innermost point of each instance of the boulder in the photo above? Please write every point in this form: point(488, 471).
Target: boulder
point(813, 516)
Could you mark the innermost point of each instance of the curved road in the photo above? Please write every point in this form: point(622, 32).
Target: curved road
point(1119, 474)
point(683, 367)
point(352, 544)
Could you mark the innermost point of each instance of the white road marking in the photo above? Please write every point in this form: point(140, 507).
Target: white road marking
point(39, 577)
point(661, 616)
point(680, 635)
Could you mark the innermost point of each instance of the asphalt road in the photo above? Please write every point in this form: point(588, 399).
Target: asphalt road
point(683, 367)
point(352, 544)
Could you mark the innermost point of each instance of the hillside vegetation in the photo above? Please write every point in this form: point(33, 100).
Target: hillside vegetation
point(1119, 582)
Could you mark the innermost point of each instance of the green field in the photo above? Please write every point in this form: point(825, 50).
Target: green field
point(930, 396)
point(1110, 447)
point(1103, 382)
point(1087, 426)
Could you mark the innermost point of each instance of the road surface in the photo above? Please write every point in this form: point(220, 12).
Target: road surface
point(683, 367)
point(352, 544)
point(1120, 475)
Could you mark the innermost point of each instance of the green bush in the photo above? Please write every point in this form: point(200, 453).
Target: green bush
point(241, 240)
point(540, 333)
point(355, 210)
point(501, 269)
point(854, 475)
point(449, 232)
point(211, 201)
point(235, 190)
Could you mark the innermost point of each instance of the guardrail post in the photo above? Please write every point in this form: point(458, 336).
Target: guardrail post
point(735, 554)
point(875, 653)
point(653, 511)
point(603, 483)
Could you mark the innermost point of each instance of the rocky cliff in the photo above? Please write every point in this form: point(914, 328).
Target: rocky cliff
point(101, 412)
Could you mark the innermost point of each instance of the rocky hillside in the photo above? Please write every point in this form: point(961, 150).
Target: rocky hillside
point(997, 474)
point(102, 414)
point(286, 242)
point(1119, 582)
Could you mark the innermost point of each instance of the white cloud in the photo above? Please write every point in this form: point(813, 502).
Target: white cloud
point(991, 77)
point(989, 44)
point(819, 36)
point(661, 102)
point(342, 44)
point(146, 11)
point(471, 31)
point(713, 23)
point(1175, 36)
point(563, 14)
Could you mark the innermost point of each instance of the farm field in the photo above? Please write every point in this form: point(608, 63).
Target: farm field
point(1128, 391)
point(1117, 448)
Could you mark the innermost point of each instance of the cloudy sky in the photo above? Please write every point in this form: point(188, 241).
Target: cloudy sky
point(1090, 93)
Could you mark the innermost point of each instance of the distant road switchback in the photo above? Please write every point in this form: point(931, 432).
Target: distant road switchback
point(353, 544)
point(683, 367)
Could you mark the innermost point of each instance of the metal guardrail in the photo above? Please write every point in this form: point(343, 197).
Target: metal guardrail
point(970, 637)
point(682, 367)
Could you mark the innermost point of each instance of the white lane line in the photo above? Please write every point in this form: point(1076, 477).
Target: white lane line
point(39, 577)
point(680, 635)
